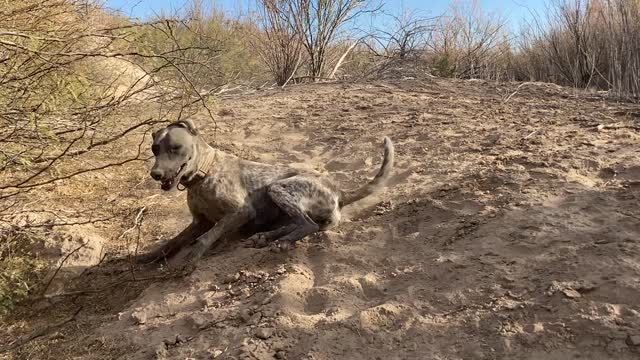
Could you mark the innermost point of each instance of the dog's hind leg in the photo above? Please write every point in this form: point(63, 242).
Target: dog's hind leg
point(186, 236)
point(289, 195)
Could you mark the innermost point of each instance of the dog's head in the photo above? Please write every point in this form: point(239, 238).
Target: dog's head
point(174, 148)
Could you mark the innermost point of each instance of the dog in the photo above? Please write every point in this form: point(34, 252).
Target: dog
point(226, 193)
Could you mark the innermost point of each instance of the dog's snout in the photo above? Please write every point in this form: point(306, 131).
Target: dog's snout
point(156, 174)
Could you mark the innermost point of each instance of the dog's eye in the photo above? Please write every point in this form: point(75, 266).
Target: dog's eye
point(154, 149)
point(175, 148)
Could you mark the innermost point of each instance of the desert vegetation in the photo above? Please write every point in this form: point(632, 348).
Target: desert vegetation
point(83, 86)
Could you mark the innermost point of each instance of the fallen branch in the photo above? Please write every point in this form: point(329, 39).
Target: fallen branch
point(136, 222)
point(55, 273)
point(22, 340)
point(531, 134)
point(114, 284)
point(616, 126)
point(295, 69)
point(513, 93)
point(344, 56)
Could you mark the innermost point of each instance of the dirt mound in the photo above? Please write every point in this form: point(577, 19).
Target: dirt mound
point(510, 231)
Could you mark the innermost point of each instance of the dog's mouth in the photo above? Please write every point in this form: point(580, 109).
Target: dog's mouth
point(170, 183)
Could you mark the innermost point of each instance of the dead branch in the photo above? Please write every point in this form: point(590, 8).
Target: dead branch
point(513, 93)
point(136, 222)
point(295, 69)
point(23, 340)
point(339, 63)
point(64, 260)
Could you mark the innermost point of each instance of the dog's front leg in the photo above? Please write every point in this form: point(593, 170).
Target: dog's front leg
point(186, 236)
point(226, 225)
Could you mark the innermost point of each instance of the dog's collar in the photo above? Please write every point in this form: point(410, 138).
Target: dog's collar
point(204, 167)
point(206, 162)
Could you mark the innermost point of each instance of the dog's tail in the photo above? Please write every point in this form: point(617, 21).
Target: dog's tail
point(378, 182)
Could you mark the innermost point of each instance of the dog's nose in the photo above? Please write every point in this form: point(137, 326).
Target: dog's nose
point(156, 174)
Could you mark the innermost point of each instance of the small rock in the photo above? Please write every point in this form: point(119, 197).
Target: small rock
point(231, 278)
point(169, 342)
point(210, 303)
point(235, 291)
point(245, 315)
point(139, 317)
point(57, 336)
point(161, 352)
point(244, 350)
point(255, 318)
point(571, 293)
point(616, 346)
point(174, 341)
point(215, 353)
point(198, 321)
point(264, 333)
point(281, 355)
point(267, 299)
point(633, 340)
point(181, 339)
point(246, 292)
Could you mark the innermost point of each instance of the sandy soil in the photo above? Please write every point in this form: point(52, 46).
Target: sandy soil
point(510, 231)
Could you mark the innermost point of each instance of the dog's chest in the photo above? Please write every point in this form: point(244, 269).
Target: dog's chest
point(214, 198)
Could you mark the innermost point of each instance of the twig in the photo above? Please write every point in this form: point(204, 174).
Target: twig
point(295, 69)
point(55, 273)
point(531, 134)
point(335, 68)
point(136, 222)
point(513, 93)
point(22, 340)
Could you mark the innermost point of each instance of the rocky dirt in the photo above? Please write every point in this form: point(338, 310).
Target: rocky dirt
point(510, 231)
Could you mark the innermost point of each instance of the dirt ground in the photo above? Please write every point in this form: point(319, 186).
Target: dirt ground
point(510, 231)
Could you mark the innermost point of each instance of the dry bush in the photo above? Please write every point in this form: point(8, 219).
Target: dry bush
point(21, 270)
point(278, 43)
point(586, 43)
point(467, 42)
point(403, 36)
point(80, 90)
point(397, 43)
point(219, 47)
point(318, 25)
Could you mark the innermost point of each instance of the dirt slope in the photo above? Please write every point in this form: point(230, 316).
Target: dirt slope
point(510, 232)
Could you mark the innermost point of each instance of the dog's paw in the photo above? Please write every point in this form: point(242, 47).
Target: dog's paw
point(196, 252)
point(257, 241)
point(188, 266)
point(148, 258)
point(281, 246)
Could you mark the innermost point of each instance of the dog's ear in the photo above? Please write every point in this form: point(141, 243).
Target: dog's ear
point(153, 135)
point(187, 124)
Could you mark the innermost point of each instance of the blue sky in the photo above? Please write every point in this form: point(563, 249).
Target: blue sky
point(513, 10)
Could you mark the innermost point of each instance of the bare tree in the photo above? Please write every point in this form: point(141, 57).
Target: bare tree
point(278, 43)
point(467, 40)
point(405, 36)
point(318, 23)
